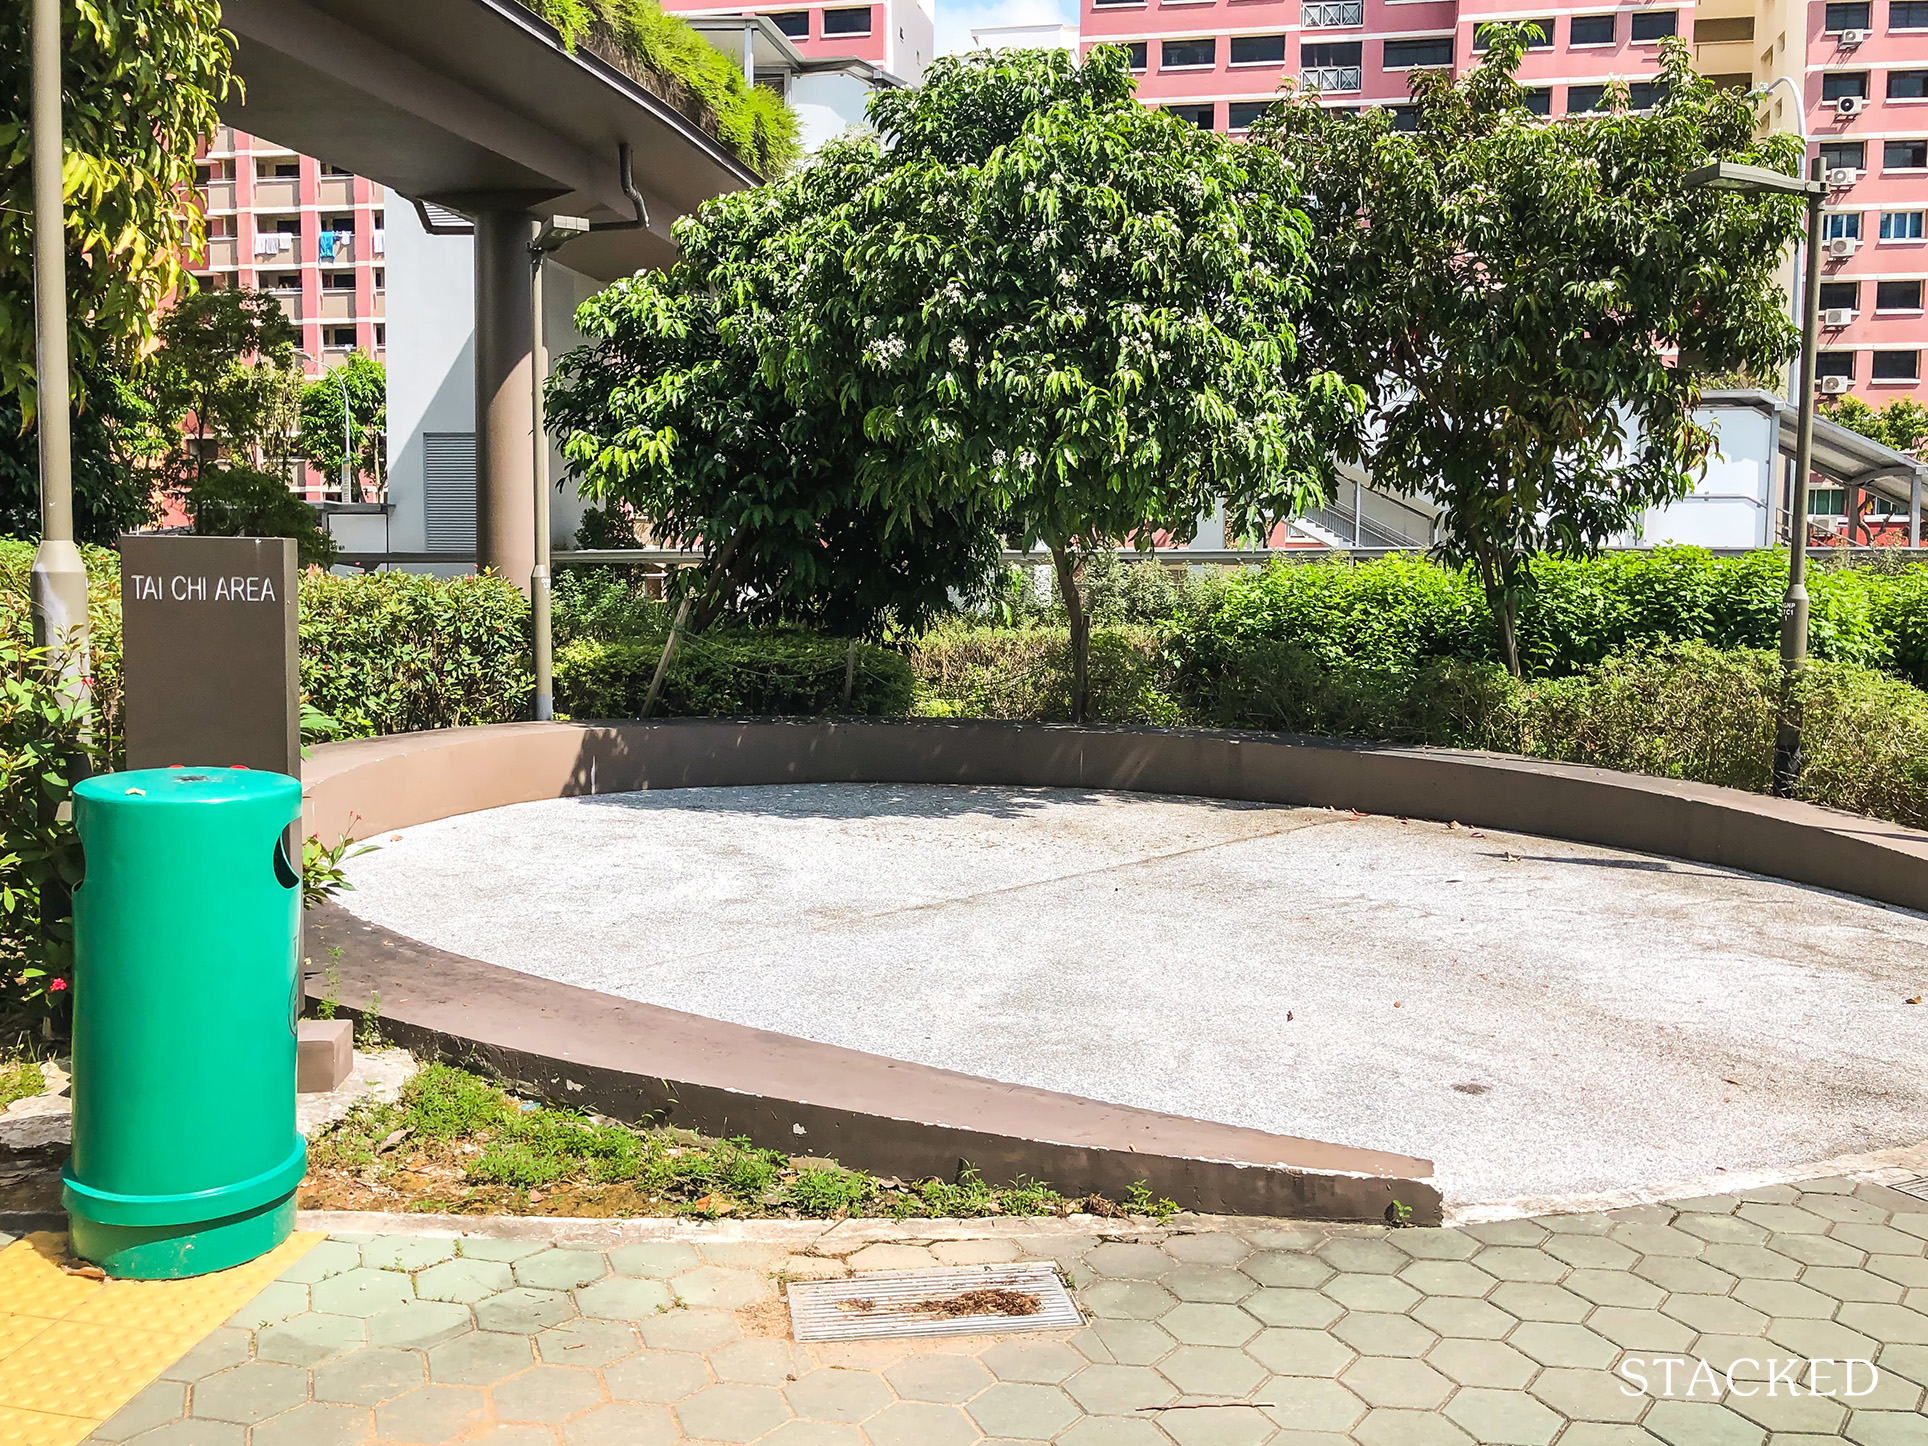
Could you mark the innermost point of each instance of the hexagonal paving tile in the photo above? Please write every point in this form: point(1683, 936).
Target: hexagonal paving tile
point(1590, 1252)
point(1128, 1342)
point(624, 1423)
point(154, 1405)
point(1299, 1353)
point(656, 1259)
point(405, 1252)
point(918, 1423)
point(463, 1281)
point(419, 1324)
point(624, 1298)
point(687, 1330)
point(1702, 1423)
point(587, 1343)
point(732, 1412)
point(1199, 1324)
point(837, 1395)
point(1482, 1363)
point(1220, 1426)
point(524, 1311)
point(1640, 1330)
point(370, 1376)
point(1119, 1390)
point(1502, 1418)
point(251, 1392)
point(1613, 1287)
point(1302, 1404)
point(1207, 1248)
point(929, 1376)
point(761, 1362)
point(1458, 1316)
point(507, 1250)
point(1447, 1277)
point(1555, 1343)
point(1023, 1412)
point(1372, 1292)
point(1396, 1381)
point(430, 1415)
point(1715, 1315)
point(1205, 1282)
point(1698, 1277)
point(307, 1340)
point(1373, 1334)
point(1211, 1371)
point(1296, 1272)
point(220, 1348)
point(1514, 1262)
point(664, 1377)
point(1587, 1395)
point(360, 1292)
point(547, 1394)
point(715, 1285)
point(1844, 1283)
point(330, 1257)
point(1435, 1242)
point(480, 1358)
point(1039, 1362)
point(1293, 1307)
point(1363, 1255)
point(314, 1424)
point(1121, 1261)
point(560, 1269)
point(1536, 1300)
point(1126, 1300)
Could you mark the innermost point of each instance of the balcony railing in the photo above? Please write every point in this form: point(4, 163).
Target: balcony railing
point(1331, 78)
point(1319, 14)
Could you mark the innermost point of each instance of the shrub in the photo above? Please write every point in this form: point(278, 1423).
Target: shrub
point(42, 752)
point(979, 672)
point(1900, 614)
point(730, 674)
point(237, 501)
point(606, 603)
point(395, 652)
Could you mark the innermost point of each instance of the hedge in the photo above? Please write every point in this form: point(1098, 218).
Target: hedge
point(730, 674)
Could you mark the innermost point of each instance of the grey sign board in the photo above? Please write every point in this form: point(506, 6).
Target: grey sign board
point(208, 641)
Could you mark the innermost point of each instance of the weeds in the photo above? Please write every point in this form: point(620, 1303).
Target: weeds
point(21, 1076)
point(1138, 1200)
point(368, 1032)
point(330, 1002)
point(454, 1141)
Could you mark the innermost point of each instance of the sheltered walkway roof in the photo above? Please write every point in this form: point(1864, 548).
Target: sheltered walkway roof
point(1843, 455)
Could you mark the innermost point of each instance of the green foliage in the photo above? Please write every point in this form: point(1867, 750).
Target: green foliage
point(666, 54)
point(142, 79)
point(322, 874)
point(41, 755)
point(989, 672)
point(225, 382)
point(1533, 307)
point(113, 493)
point(236, 500)
point(1902, 424)
point(731, 674)
point(395, 652)
point(605, 603)
point(319, 440)
point(822, 1191)
point(1900, 616)
point(21, 1076)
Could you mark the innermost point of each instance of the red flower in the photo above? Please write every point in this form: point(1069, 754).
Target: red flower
point(58, 985)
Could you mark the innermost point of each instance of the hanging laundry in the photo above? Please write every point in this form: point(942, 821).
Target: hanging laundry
point(327, 250)
point(381, 242)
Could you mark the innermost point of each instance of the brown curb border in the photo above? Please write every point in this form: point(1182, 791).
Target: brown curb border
point(631, 1060)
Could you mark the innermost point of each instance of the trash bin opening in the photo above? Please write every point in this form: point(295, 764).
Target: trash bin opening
point(283, 871)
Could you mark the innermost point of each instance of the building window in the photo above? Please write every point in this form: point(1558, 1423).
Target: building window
point(278, 169)
point(282, 281)
point(1334, 65)
point(1483, 38)
point(338, 338)
point(338, 280)
point(1645, 94)
point(1896, 366)
point(793, 23)
point(1904, 155)
point(1897, 296)
point(1908, 15)
point(1847, 15)
point(381, 279)
point(1433, 50)
point(1835, 364)
point(1591, 30)
point(1583, 98)
point(1320, 14)
point(847, 22)
point(1258, 49)
point(1202, 116)
point(1538, 100)
point(1844, 156)
point(1841, 84)
point(1404, 117)
point(1654, 24)
point(1139, 51)
point(1841, 225)
point(1908, 85)
point(1119, 2)
point(1181, 54)
point(329, 168)
point(1840, 295)
point(1901, 226)
point(1241, 115)
point(381, 334)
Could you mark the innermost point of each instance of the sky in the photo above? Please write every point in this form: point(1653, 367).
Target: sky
point(956, 17)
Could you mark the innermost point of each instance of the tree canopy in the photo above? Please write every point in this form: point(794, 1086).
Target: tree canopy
point(1532, 306)
point(142, 78)
point(1025, 307)
point(364, 381)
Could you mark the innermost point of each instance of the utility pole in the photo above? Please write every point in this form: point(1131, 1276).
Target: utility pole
point(59, 578)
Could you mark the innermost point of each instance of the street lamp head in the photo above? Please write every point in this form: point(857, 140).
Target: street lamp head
point(556, 231)
point(1732, 176)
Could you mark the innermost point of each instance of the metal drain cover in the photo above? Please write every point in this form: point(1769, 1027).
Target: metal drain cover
point(1917, 1187)
point(959, 1301)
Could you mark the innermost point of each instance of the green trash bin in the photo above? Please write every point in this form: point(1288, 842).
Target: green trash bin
point(186, 992)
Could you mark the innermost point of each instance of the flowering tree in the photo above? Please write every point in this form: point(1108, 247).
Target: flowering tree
point(1532, 305)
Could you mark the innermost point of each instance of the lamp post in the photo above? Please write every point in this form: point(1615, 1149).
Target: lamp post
point(59, 578)
point(1758, 180)
point(550, 234)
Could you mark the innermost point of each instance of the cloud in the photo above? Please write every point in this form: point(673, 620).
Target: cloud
point(956, 17)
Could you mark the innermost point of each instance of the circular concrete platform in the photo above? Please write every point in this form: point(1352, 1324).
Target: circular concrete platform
point(1542, 1019)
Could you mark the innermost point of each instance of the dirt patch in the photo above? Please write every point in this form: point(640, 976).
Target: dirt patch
point(990, 1300)
point(30, 1179)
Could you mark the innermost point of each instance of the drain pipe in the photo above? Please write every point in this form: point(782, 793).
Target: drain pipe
point(625, 162)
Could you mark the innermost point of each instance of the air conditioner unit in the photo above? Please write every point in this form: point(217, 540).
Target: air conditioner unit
point(1842, 176)
point(1837, 316)
point(1851, 38)
point(1850, 105)
point(1842, 247)
point(1835, 386)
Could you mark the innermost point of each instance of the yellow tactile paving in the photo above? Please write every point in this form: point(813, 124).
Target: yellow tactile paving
point(73, 1351)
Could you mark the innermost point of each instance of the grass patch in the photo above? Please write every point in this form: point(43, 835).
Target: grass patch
point(456, 1143)
point(21, 1076)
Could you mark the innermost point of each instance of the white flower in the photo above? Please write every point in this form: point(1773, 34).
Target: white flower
point(960, 348)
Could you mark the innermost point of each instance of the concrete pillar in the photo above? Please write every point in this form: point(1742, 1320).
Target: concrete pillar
point(505, 479)
point(1914, 513)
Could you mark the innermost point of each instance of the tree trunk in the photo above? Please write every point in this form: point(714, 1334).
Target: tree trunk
point(1080, 628)
point(1500, 598)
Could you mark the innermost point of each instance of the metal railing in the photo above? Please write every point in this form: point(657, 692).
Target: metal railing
point(1318, 14)
point(1331, 78)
